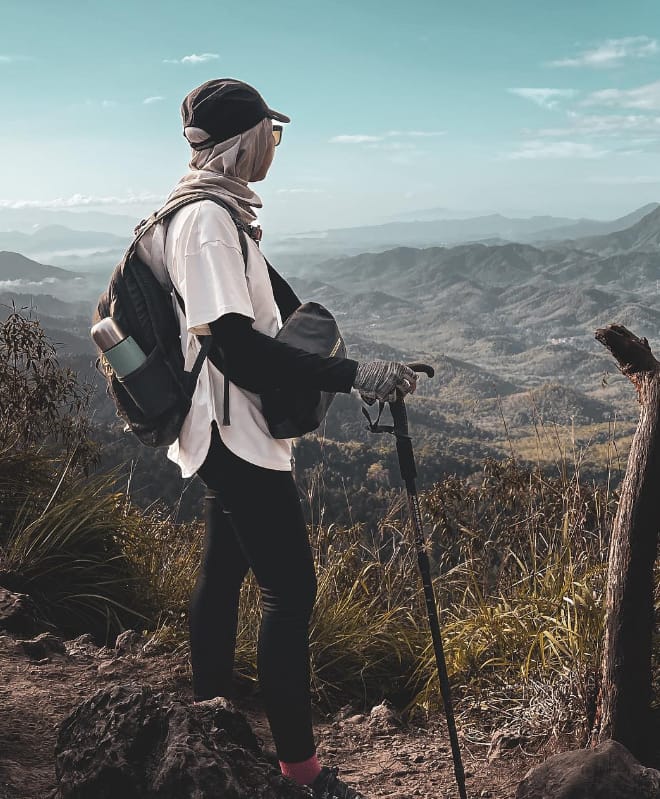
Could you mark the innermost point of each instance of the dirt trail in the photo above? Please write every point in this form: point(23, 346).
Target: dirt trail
point(401, 763)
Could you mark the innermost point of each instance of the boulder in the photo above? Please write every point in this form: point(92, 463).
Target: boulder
point(607, 772)
point(17, 613)
point(43, 646)
point(136, 743)
point(128, 641)
point(503, 740)
point(383, 719)
point(82, 646)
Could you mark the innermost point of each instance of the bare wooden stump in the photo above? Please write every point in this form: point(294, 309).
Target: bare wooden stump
point(624, 712)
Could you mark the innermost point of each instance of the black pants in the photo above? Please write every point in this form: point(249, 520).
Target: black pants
point(254, 521)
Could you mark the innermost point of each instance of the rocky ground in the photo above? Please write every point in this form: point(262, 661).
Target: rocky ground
point(44, 678)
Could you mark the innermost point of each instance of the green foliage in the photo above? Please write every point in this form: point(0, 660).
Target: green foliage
point(40, 400)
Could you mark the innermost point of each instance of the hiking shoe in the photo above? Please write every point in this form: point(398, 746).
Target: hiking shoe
point(328, 786)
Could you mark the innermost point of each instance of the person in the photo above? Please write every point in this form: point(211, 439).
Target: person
point(253, 515)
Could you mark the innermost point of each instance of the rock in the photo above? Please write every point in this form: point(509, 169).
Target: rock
point(108, 668)
point(128, 641)
point(607, 772)
point(136, 743)
point(17, 613)
point(357, 719)
point(383, 718)
point(505, 739)
point(82, 645)
point(43, 646)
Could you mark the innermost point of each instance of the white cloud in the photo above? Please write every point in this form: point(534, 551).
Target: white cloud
point(362, 138)
point(152, 100)
point(622, 180)
point(611, 53)
point(351, 138)
point(300, 191)
point(13, 59)
point(393, 145)
point(83, 201)
point(21, 284)
point(545, 98)
point(192, 59)
point(604, 125)
point(530, 150)
point(416, 134)
point(645, 98)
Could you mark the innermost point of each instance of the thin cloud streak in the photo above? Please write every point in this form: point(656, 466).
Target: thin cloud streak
point(611, 53)
point(83, 201)
point(545, 98)
point(622, 180)
point(194, 58)
point(364, 138)
point(603, 125)
point(152, 100)
point(301, 191)
point(537, 150)
point(416, 134)
point(357, 138)
point(644, 98)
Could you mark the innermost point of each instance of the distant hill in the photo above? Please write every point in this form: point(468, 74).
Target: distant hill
point(46, 304)
point(643, 236)
point(591, 227)
point(27, 220)
point(55, 238)
point(14, 266)
point(418, 234)
point(553, 402)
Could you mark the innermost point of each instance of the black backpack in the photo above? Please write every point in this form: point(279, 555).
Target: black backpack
point(155, 399)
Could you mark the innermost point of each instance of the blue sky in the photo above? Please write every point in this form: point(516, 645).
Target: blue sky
point(472, 106)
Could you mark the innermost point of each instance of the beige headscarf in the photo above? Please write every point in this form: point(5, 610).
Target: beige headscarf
point(224, 169)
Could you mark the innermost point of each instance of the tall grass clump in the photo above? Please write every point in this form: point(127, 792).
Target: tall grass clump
point(366, 633)
point(520, 561)
point(62, 533)
point(63, 542)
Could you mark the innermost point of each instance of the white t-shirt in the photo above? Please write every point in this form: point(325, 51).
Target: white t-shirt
point(205, 263)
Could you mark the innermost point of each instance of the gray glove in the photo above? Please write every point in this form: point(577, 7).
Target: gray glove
point(381, 380)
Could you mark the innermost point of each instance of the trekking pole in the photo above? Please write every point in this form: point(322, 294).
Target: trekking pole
point(409, 474)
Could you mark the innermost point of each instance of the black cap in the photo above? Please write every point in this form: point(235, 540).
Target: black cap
point(225, 107)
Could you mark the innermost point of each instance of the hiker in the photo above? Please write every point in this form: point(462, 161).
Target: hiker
point(253, 512)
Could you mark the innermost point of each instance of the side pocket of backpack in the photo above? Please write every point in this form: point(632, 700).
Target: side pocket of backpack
point(152, 387)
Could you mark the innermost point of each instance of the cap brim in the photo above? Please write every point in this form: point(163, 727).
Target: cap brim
point(276, 115)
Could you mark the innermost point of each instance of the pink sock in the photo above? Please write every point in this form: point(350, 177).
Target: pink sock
point(303, 773)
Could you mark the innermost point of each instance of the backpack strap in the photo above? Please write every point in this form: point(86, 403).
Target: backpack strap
point(206, 346)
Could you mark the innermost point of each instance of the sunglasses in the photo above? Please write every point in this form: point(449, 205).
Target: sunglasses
point(277, 134)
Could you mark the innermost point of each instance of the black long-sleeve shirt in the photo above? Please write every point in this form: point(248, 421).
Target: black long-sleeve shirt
point(257, 362)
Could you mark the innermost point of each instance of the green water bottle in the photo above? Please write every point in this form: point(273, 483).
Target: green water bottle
point(122, 352)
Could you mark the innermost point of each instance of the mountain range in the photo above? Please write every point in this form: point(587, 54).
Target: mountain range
point(296, 252)
point(508, 325)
